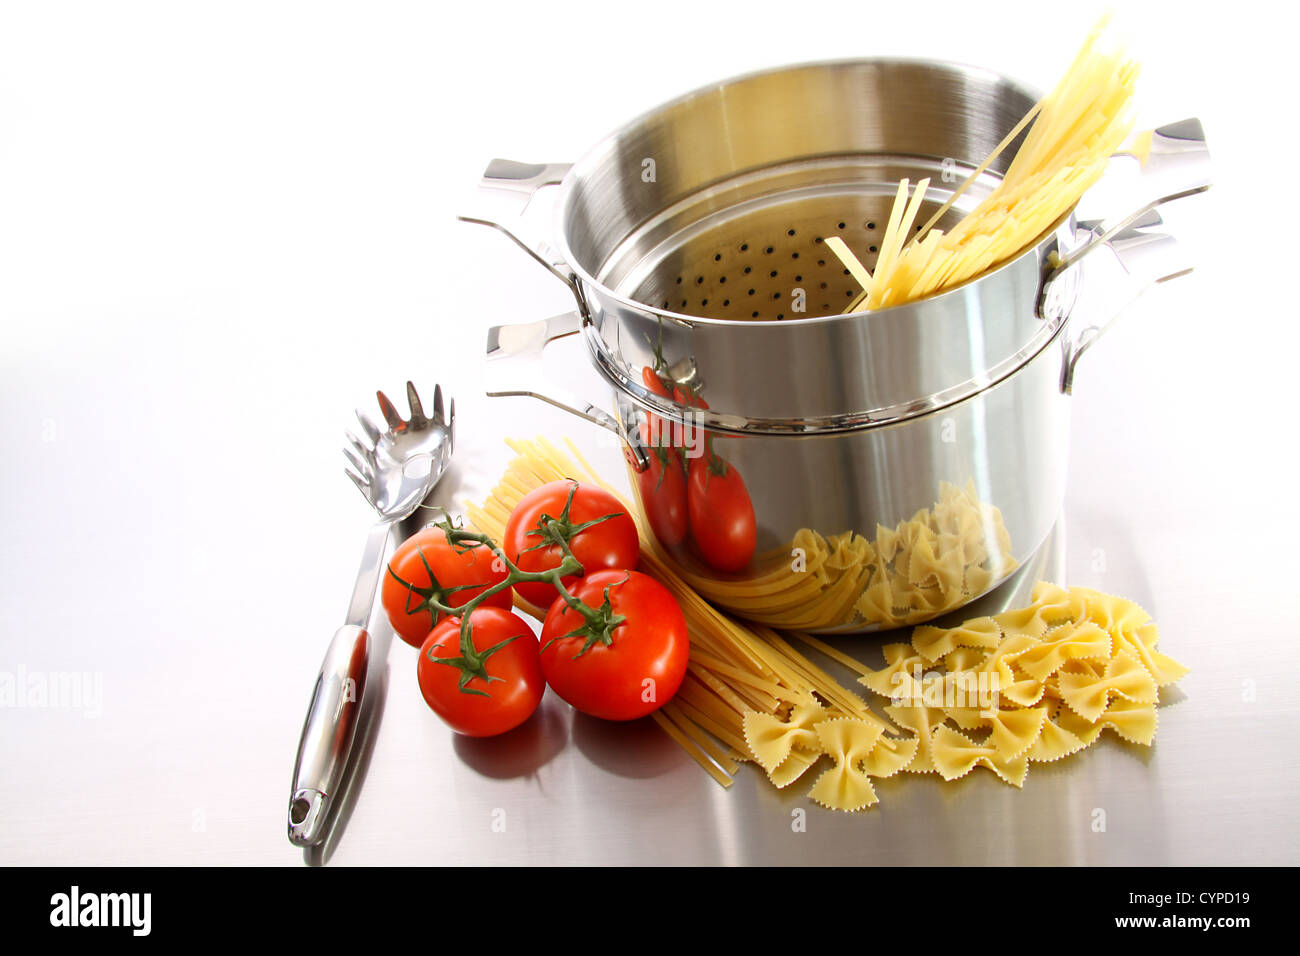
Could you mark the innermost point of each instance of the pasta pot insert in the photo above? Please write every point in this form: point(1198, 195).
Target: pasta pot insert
point(804, 468)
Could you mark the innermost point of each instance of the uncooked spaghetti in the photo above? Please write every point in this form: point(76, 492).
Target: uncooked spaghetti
point(1076, 128)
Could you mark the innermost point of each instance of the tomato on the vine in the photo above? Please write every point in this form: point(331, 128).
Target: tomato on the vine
point(514, 683)
point(663, 494)
point(426, 566)
point(690, 433)
point(659, 432)
point(600, 533)
point(644, 661)
point(721, 513)
point(689, 396)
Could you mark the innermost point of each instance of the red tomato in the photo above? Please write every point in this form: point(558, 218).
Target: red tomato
point(406, 604)
point(642, 667)
point(721, 513)
point(612, 543)
point(663, 495)
point(485, 707)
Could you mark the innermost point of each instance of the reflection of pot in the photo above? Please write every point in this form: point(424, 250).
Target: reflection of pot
point(898, 463)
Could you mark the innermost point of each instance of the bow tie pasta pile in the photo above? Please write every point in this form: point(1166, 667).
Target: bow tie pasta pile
point(1031, 685)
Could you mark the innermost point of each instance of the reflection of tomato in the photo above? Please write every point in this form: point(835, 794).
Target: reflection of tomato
point(658, 428)
point(612, 543)
point(407, 609)
point(690, 434)
point(721, 513)
point(685, 395)
point(655, 383)
point(639, 670)
point(663, 495)
point(492, 706)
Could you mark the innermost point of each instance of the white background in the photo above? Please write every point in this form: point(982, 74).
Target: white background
point(223, 225)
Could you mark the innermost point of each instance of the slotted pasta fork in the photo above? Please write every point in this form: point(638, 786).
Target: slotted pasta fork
point(395, 469)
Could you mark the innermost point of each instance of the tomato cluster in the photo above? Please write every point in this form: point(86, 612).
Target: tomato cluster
point(613, 643)
point(690, 492)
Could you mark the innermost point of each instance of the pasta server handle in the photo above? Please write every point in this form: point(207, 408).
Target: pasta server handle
point(327, 734)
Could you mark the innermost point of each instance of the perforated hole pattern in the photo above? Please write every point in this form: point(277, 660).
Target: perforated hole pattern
point(749, 268)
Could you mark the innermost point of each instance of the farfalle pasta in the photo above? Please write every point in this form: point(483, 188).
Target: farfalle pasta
point(1011, 732)
point(846, 785)
point(956, 755)
point(941, 558)
point(933, 643)
point(921, 722)
point(1082, 641)
point(1055, 742)
point(1031, 685)
point(1088, 693)
point(772, 741)
point(1131, 720)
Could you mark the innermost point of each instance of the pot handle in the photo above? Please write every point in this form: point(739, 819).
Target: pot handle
point(514, 356)
point(1149, 256)
point(1174, 163)
point(523, 178)
point(521, 182)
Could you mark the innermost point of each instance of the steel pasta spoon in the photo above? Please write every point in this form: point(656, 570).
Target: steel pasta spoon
point(395, 469)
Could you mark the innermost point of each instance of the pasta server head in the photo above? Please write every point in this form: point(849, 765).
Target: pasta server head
point(396, 468)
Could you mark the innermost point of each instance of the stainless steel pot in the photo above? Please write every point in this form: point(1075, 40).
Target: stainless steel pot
point(835, 472)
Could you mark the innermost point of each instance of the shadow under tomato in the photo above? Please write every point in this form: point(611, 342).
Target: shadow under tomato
point(520, 752)
point(635, 748)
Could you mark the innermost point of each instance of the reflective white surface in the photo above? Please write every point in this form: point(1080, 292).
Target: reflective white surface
point(217, 240)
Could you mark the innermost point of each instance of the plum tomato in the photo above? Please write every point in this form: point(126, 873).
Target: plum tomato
point(721, 513)
point(663, 495)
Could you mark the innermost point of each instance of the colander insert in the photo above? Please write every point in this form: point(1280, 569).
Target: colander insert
point(764, 258)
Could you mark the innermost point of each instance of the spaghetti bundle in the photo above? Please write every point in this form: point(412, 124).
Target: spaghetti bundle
point(1076, 128)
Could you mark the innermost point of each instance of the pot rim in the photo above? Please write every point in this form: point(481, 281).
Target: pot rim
point(903, 413)
point(566, 192)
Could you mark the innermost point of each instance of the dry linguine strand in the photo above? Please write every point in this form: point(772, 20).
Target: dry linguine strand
point(698, 755)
